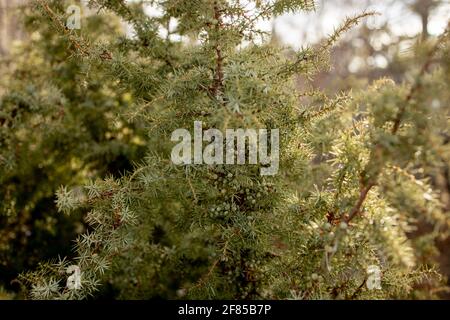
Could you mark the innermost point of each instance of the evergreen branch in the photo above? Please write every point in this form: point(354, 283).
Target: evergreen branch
point(217, 87)
point(367, 186)
point(53, 16)
point(329, 105)
point(348, 24)
point(313, 57)
point(205, 277)
point(362, 197)
point(80, 45)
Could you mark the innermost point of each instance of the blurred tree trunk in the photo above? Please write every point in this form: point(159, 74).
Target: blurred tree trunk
point(423, 9)
point(9, 24)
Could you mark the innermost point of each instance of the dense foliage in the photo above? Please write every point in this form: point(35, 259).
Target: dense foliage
point(354, 180)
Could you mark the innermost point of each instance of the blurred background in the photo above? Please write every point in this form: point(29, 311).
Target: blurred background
point(383, 46)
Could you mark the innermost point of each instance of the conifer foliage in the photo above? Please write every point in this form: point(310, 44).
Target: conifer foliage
point(60, 124)
point(352, 180)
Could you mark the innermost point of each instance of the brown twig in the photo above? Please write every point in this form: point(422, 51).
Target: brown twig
point(218, 76)
point(80, 47)
point(362, 197)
